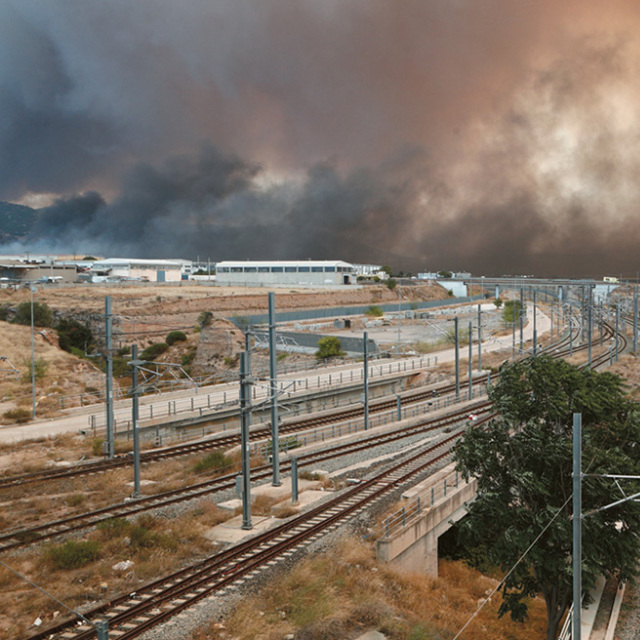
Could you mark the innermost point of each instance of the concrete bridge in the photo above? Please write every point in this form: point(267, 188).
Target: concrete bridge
point(410, 536)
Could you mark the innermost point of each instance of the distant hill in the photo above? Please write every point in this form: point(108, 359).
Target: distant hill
point(16, 221)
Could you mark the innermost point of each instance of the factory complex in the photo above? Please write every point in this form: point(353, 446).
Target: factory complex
point(19, 270)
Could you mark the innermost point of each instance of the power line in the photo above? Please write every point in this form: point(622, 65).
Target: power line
point(513, 568)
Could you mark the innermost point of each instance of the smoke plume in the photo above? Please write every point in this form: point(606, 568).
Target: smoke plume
point(497, 137)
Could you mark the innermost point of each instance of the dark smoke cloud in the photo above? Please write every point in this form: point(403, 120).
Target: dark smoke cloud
point(495, 136)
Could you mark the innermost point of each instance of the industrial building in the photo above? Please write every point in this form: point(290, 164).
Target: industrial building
point(308, 272)
point(130, 269)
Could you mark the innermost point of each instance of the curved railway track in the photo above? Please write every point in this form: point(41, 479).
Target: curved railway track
point(132, 614)
point(220, 441)
point(26, 536)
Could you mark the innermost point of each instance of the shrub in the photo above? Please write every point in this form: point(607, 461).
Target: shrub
point(175, 336)
point(17, 415)
point(96, 446)
point(114, 527)
point(4, 313)
point(205, 318)
point(374, 311)
point(40, 367)
point(154, 350)
point(188, 358)
point(72, 554)
point(391, 283)
point(213, 460)
point(497, 302)
point(74, 334)
point(512, 311)
point(42, 314)
point(329, 347)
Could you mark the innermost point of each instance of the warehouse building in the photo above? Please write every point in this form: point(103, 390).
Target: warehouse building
point(313, 272)
point(130, 269)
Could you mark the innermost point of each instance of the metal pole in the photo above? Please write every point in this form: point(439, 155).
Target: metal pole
point(457, 356)
point(294, 480)
point(635, 321)
point(570, 333)
point(33, 361)
point(275, 420)
point(617, 328)
point(366, 381)
point(109, 381)
point(245, 402)
point(134, 420)
point(589, 326)
point(399, 314)
point(247, 346)
point(470, 360)
point(577, 527)
point(479, 338)
point(521, 314)
point(399, 407)
point(535, 326)
point(102, 628)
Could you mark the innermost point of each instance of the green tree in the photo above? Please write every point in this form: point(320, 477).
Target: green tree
point(387, 269)
point(329, 347)
point(523, 464)
point(374, 311)
point(512, 311)
point(72, 333)
point(391, 283)
point(445, 274)
point(42, 314)
point(498, 302)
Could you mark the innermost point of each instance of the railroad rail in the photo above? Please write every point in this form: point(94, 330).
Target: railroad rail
point(26, 536)
point(132, 614)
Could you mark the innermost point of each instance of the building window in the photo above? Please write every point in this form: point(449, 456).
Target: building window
point(316, 269)
point(303, 269)
point(236, 269)
point(223, 269)
point(263, 269)
point(276, 269)
point(290, 269)
point(249, 269)
point(330, 269)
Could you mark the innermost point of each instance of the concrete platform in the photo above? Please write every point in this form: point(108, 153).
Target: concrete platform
point(231, 531)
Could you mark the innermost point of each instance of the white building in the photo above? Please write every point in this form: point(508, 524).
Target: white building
point(123, 269)
point(315, 272)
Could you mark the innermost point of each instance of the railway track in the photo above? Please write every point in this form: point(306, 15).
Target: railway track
point(219, 441)
point(26, 536)
point(132, 614)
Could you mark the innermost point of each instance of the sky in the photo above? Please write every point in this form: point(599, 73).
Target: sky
point(492, 136)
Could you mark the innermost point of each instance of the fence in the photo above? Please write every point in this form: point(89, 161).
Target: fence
point(416, 506)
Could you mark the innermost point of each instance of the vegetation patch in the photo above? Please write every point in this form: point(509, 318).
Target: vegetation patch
point(213, 461)
point(175, 336)
point(154, 350)
point(72, 554)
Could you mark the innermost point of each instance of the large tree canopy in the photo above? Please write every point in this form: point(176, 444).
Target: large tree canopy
point(523, 463)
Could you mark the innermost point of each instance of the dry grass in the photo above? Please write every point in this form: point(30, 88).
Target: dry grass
point(156, 545)
point(346, 591)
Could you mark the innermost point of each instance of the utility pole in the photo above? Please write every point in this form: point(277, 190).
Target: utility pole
point(399, 317)
point(470, 360)
point(617, 328)
point(275, 437)
point(589, 325)
point(521, 314)
point(535, 329)
point(135, 363)
point(457, 357)
point(33, 360)
point(479, 338)
point(365, 351)
point(635, 321)
point(109, 381)
point(245, 404)
point(577, 527)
